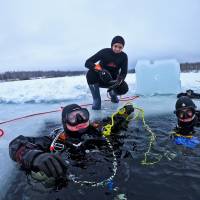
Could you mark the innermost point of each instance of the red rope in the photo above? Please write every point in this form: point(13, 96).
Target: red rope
point(58, 110)
point(1, 132)
point(125, 98)
point(35, 114)
point(129, 98)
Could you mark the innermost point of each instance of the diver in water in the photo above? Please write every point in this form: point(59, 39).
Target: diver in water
point(188, 118)
point(189, 93)
point(187, 115)
point(108, 69)
point(39, 154)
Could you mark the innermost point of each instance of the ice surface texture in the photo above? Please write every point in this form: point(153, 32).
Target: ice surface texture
point(160, 77)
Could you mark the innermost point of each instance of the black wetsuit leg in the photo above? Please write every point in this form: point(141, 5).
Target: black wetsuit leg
point(94, 78)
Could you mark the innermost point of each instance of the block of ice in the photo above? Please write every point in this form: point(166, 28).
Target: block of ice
point(159, 77)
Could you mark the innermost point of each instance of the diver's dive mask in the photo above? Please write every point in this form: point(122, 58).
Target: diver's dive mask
point(77, 116)
point(186, 114)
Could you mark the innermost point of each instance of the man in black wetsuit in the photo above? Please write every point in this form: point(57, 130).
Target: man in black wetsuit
point(39, 154)
point(108, 69)
point(187, 115)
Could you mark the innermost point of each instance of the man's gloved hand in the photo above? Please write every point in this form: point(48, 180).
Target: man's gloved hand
point(97, 67)
point(129, 109)
point(115, 83)
point(52, 165)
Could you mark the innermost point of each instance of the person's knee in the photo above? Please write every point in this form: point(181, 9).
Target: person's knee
point(91, 77)
point(125, 88)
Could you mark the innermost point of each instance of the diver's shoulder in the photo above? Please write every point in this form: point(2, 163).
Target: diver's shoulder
point(106, 50)
point(124, 55)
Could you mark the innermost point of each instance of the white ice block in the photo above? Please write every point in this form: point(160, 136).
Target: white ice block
point(159, 77)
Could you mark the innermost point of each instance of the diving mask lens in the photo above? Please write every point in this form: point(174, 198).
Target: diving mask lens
point(78, 116)
point(185, 113)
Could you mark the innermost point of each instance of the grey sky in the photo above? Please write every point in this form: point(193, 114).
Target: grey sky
point(49, 34)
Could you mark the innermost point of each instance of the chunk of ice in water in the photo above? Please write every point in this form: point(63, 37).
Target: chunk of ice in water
point(159, 77)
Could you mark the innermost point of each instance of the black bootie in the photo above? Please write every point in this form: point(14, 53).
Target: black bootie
point(94, 88)
point(113, 96)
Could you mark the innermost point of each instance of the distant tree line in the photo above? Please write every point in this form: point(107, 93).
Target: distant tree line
point(28, 75)
point(188, 67)
point(185, 67)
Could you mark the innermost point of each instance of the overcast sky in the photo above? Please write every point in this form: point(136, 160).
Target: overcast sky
point(62, 34)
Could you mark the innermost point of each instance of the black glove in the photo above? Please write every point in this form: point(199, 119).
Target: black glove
point(52, 165)
point(129, 109)
point(115, 83)
point(181, 95)
point(189, 92)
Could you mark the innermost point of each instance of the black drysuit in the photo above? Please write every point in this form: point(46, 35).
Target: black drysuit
point(25, 149)
point(187, 128)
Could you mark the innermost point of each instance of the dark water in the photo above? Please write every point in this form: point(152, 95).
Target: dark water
point(175, 177)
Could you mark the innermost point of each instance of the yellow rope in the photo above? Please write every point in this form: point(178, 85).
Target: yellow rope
point(107, 128)
point(107, 131)
point(151, 141)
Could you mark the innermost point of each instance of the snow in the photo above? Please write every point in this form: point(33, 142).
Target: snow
point(54, 90)
point(43, 90)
